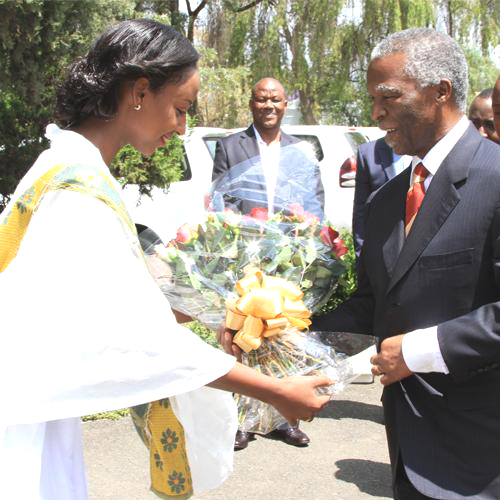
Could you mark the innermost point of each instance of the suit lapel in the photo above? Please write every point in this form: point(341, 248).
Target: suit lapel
point(248, 143)
point(439, 202)
point(394, 243)
point(286, 139)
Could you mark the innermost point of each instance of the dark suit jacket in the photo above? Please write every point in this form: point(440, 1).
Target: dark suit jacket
point(446, 273)
point(299, 178)
point(373, 170)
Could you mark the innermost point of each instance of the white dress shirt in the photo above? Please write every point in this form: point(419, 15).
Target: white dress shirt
point(399, 163)
point(270, 160)
point(421, 347)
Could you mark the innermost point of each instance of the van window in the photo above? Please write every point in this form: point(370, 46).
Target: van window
point(186, 169)
point(355, 139)
point(314, 142)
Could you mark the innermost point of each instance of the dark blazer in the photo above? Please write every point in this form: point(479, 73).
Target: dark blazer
point(299, 178)
point(374, 162)
point(446, 428)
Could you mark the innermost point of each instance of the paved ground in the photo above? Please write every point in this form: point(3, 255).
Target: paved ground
point(347, 458)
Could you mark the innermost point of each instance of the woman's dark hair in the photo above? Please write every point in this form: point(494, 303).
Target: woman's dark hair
point(125, 52)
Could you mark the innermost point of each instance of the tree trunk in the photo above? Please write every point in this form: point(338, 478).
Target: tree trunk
point(306, 108)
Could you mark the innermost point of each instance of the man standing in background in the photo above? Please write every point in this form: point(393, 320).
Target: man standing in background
point(288, 170)
point(495, 104)
point(376, 164)
point(481, 115)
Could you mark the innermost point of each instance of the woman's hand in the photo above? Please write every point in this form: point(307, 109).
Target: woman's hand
point(295, 398)
point(299, 400)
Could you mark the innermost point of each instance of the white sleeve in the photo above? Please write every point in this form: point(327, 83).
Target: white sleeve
point(86, 328)
point(421, 351)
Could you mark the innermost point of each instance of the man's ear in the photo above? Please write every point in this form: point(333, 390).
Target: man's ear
point(444, 90)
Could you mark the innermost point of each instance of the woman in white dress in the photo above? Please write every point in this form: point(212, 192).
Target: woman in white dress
point(85, 328)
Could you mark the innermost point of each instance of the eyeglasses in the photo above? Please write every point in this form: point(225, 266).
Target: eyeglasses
point(487, 124)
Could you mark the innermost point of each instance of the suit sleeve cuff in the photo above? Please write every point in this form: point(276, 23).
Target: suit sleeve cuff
point(421, 351)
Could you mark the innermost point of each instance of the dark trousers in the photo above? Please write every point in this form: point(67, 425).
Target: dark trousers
point(403, 489)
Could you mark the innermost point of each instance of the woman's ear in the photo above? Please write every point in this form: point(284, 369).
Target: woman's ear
point(139, 89)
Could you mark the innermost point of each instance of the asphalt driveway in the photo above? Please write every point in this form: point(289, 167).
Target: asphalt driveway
point(347, 458)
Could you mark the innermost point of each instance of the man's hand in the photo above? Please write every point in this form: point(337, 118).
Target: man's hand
point(225, 339)
point(389, 362)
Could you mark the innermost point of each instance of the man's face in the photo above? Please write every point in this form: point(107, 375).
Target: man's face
point(268, 105)
point(406, 111)
point(481, 115)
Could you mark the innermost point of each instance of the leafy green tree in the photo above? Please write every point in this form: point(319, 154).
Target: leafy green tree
point(321, 49)
point(38, 39)
point(224, 94)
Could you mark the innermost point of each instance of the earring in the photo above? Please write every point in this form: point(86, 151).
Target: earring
point(137, 107)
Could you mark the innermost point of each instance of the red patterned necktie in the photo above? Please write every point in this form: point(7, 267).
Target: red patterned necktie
point(415, 196)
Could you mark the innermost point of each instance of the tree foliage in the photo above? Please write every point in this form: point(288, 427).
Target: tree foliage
point(38, 39)
point(319, 49)
point(224, 94)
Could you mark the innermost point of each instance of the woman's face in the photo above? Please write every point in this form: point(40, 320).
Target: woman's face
point(162, 112)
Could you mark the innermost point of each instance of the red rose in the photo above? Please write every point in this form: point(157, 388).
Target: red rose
point(339, 247)
point(259, 214)
point(331, 238)
point(185, 234)
point(310, 218)
point(328, 235)
point(296, 210)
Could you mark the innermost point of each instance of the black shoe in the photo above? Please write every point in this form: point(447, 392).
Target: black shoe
point(291, 435)
point(241, 440)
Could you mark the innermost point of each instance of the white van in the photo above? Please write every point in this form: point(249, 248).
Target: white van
point(165, 212)
point(336, 148)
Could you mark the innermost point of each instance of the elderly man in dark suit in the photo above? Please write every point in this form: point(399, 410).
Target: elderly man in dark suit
point(376, 164)
point(429, 281)
point(264, 167)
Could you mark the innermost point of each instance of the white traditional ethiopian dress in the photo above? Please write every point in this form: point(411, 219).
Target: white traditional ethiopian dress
point(86, 329)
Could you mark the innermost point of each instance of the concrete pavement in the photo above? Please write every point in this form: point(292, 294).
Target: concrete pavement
point(347, 458)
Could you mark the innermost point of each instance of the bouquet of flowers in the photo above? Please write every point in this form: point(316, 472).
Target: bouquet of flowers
point(263, 275)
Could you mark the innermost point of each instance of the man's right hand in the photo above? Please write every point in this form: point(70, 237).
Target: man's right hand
point(225, 339)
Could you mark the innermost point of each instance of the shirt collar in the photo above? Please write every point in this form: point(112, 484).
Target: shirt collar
point(261, 141)
point(436, 155)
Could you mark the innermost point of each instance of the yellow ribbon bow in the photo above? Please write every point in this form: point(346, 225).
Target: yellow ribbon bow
point(267, 305)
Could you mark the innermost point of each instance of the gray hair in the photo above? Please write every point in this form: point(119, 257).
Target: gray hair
point(431, 57)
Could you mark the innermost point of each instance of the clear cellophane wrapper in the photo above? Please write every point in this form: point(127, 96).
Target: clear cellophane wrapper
point(199, 271)
point(289, 354)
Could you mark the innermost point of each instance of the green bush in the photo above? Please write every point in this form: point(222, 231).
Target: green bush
point(203, 332)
